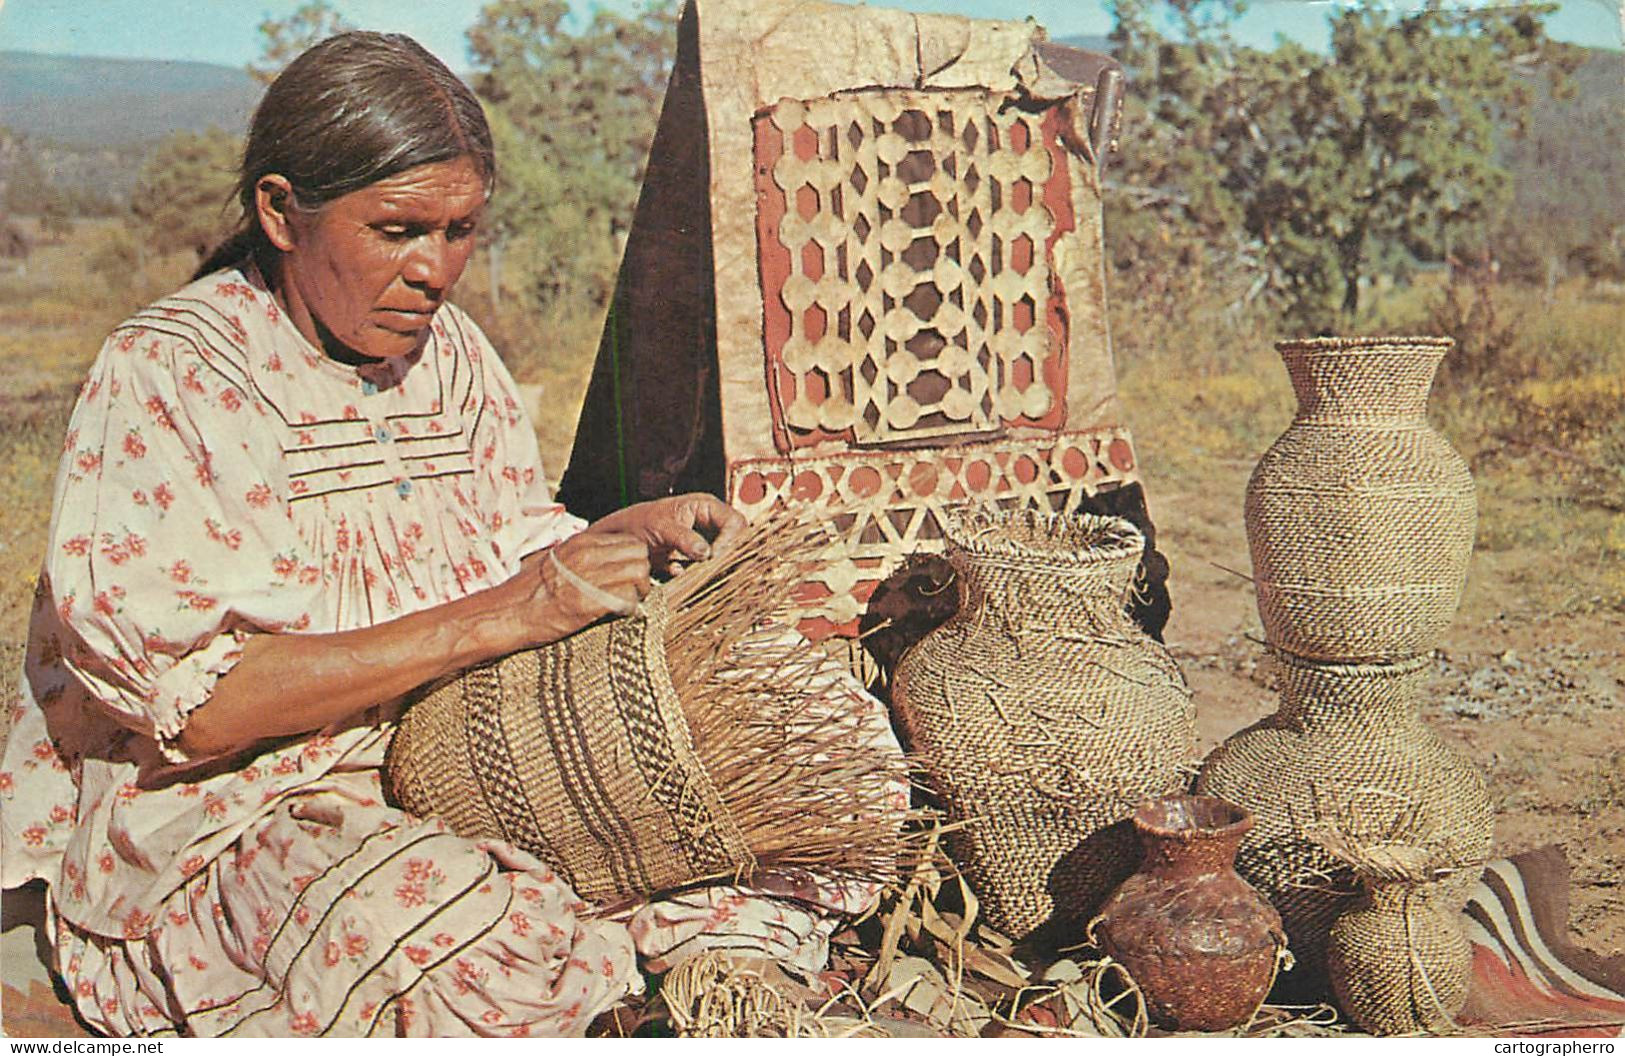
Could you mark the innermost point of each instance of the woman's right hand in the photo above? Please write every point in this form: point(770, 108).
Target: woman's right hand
point(615, 564)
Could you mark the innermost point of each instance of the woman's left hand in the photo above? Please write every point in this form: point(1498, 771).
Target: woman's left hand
point(678, 529)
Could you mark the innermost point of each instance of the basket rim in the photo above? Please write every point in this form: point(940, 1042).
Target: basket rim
point(1091, 537)
point(1424, 344)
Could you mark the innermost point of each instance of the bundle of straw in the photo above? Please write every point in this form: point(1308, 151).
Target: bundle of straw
point(692, 740)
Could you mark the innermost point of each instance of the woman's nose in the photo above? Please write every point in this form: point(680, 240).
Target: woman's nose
point(434, 263)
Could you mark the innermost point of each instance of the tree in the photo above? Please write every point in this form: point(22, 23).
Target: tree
point(1302, 167)
point(287, 38)
point(573, 115)
point(183, 193)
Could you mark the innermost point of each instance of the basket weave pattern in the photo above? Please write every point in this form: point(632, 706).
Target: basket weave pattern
point(1042, 714)
point(1347, 747)
point(1399, 961)
point(696, 739)
point(1360, 518)
point(587, 734)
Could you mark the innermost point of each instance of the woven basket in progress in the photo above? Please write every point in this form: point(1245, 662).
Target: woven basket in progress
point(678, 744)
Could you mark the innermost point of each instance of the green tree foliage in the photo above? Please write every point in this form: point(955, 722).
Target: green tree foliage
point(286, 38)
point(183, 194)
point(573, 114)
point(1294, 172)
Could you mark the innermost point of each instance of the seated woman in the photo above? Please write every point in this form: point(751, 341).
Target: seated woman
point(291, 493)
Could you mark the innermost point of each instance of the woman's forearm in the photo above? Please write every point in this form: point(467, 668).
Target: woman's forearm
point(292, 683)
point(288, 684)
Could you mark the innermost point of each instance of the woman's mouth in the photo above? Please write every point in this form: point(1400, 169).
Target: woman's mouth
point(404, 320)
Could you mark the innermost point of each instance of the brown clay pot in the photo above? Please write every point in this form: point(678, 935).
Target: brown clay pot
point(1200, 941)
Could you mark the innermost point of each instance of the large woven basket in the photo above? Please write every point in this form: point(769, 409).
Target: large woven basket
point(1042, 714)
point(675, 745)
point(1360, 517)
point(1347, 750)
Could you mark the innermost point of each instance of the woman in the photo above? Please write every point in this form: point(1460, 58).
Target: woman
point(291, 493)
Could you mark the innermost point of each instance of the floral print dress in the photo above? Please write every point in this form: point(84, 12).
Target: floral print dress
point(221, 479)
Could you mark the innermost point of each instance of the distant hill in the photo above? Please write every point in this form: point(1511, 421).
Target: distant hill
point(1087, 43)
point(1569, 165)
point(80, 102)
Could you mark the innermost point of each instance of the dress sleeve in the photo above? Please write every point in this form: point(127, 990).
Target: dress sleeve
point(507, 461)
point(171, 532)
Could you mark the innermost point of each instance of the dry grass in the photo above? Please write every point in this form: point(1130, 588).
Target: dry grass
point(550, 352)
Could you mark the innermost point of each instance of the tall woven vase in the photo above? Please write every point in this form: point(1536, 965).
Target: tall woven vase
point(1042, 714)
point(1360, 517)
point(1347, 753)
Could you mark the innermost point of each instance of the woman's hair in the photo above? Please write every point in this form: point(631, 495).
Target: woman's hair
point(357, 108)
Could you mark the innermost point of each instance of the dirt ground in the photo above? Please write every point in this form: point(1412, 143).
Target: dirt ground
point(1537, 701)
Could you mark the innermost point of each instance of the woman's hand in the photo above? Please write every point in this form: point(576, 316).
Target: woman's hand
point(682, 528)
point(581, 580)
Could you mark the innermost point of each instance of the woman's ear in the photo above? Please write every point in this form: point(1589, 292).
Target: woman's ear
point(274, 202)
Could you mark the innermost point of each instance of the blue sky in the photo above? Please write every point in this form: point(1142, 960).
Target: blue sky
point(225, 31)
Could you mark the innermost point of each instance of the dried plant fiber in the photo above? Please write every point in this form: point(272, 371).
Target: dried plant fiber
point(687, 741)
point(1360, 517)
point(1399, 960)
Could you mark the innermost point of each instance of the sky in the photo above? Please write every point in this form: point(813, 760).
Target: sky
point(226, 31)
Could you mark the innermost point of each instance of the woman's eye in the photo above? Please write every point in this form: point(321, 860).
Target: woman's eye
point(459, 231)
point(395, 232)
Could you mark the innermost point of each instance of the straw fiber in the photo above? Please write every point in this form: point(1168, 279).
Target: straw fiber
point(1360, 517)
point(1346, 750)
point(1042, 714)
point(688, 741)
point(1399, 961)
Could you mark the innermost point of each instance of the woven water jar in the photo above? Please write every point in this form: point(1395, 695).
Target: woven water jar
point(1042, 715)
point(1399, 960)
point(1360, 517)
point(1347, 749)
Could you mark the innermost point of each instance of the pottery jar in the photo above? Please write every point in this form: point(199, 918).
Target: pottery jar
point(1198, 940)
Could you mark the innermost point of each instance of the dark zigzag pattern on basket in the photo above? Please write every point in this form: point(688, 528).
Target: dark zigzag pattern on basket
point(567, 729)
point(493, 764)
point(700, 834)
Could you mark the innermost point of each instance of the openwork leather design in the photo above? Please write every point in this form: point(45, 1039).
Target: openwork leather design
point(905, 242)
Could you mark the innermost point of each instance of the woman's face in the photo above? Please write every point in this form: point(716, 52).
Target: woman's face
point(364, 273)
